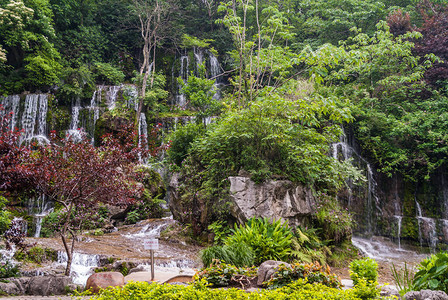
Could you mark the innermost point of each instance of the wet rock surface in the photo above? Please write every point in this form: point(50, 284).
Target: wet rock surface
point(426, 295)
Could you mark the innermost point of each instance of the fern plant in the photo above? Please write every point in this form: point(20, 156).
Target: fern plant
point(270, 240)
point(308, 247)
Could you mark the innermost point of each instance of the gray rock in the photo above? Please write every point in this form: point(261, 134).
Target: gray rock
point(10, 288)
point(275, 199)
point(48, 285)
point(426, 295)
point(389, 290)
point(267, 268)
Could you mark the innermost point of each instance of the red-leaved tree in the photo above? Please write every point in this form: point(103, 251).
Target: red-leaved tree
point(79, 176)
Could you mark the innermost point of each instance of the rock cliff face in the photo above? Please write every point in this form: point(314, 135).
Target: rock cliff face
point(277, 199)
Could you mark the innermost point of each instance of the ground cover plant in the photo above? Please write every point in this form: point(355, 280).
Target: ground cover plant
point(299, 290)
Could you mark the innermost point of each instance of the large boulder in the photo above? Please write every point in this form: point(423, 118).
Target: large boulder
point(267, 269)
point(426, 295)
point(48, 285)
point(103, 280)
point(275, 199)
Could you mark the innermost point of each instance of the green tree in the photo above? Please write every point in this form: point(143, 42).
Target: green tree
point(27, 30)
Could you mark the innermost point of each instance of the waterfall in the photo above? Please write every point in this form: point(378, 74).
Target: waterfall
point(29, 116)
point(399, 219)
point(82, 265)
point(111, 96)
point(199, 57)
point(42, 115)
point(74, 132)
point(215, 72)
point(183, 74)
point(34, 117)
point(131, 96)
point(39, 207)
point(342, 150)
point(142, 131)
point(11, 104)
point(426, 229)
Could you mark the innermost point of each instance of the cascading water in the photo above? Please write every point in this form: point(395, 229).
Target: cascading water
point(74, 132)
point(399, 220)
point(11, 104)
point(199, 57)
point(82, 266)
point(372, 200)
point(111, 96)
point(426, 229)
point(34, 117)
point(39, 207)
point(183, 74)
point(215, 73)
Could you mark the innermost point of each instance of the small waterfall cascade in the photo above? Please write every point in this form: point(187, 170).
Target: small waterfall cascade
point(399, 220)
point(215, 73)
point(180, 98)
point(74, 131)
point(130, 93)
point(343, 150)
point(11, 104)
point(34, 116)
point(142, 132)
point(112, 95)
point(82, 266)
point(198, 56)
point(39, 207)
point(94, 112)
point(426, 229)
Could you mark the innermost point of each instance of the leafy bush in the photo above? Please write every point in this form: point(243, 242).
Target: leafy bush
point(237, 254)
point(299, 290)
point(5, 215)
point(366, 290)
point(221, 274)
point(181, 141)
point(37, 255)
point(105, 73)
point(269, 241)
point(432, 273)
point(365, 268)
point(336, 223)
point(7, 270)
point(308, 247)
point(220, 231)
point(313, 273)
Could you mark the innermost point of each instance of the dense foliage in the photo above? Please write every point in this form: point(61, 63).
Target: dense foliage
point(313, 273)
point(432, 273)
point(299, 290)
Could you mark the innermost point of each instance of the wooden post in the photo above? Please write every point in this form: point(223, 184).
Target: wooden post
point(152, 265)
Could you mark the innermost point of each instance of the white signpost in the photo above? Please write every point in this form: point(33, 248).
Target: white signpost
point(151, 245)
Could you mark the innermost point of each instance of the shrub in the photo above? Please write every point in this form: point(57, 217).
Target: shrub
point(220, 231)
point(37, 255)
point(237, 254)
point(221, 274)
point(269, 240)
point(308, 247)
point(299, 290)
point(105, 73)
point(5, 215)
point(313, 273)
point(7, 270)
point(365, 268)
point(366, 290)
point(432, 273)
